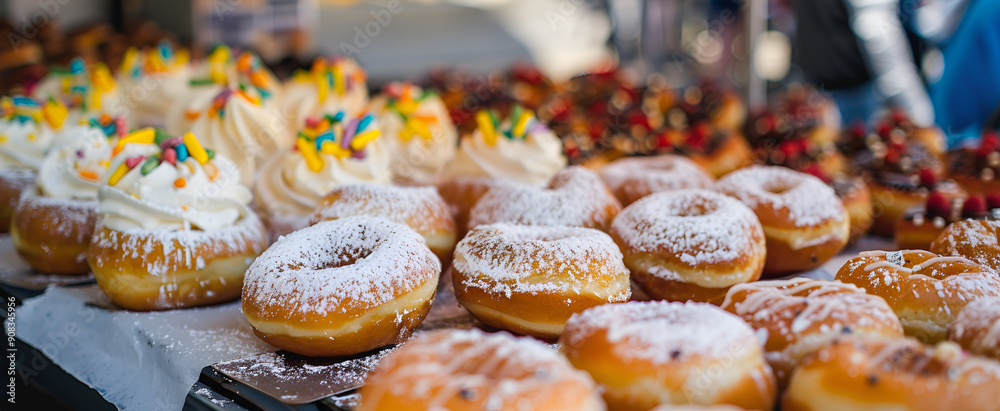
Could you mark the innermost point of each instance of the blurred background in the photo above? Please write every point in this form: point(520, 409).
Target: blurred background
point(869, 55)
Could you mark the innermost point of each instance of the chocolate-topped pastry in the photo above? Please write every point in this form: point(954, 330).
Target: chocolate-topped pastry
point(976, 169)
point(923, 223)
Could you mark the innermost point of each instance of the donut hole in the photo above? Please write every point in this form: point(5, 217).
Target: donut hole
point(777, 187)
point(348, 257)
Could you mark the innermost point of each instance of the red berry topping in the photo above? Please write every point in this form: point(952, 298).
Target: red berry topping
point(927, 177)
point(858, 129)
point(938, 205)
point(883, 129)
point(899, 117)
point(974, 206)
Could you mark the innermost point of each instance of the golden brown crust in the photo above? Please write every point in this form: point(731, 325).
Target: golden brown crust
point(143, 271)
point(893, 374)
point(732, 155)
point(890, 204)
point(632, 178)
point(800, 315)
point(53, 236)
point(784, 258)
point(858, 202)
point(12, 184)
point(977, 240)
point(468, 370)
point(463, 193)
point(977, 327)
point(924, 289)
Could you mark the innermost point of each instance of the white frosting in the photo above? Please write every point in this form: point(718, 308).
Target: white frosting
point(151, 95)
point(533, 160)
point(418, 159)
point(287, 187)
point(195, 99)
point(58, 85)
point(85, 149)
point(246, 132)
point(152, 201)
point(23, 144)
point(302, 96)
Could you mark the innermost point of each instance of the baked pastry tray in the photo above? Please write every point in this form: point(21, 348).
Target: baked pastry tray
point(273, 379)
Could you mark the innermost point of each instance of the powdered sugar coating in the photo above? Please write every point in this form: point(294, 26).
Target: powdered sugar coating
point(417, 207)
point(575, 197)
point(635, 177)
point(353, 263)
point(977, 326)
point(498, 370)
point(806, 199)
point(67, 218)
point(661, 331)
point(700, 227)
point(504, 259)
point(977, 240)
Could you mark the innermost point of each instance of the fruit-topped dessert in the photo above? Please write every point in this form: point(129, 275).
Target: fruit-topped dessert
point(330, 151)
point(528, 86)
point(922, 224)
point(417, 131)
point(465, 93)
point(976, 168)
point(714, 103)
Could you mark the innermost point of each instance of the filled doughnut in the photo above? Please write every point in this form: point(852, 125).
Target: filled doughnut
point(575, 197)
point(977, 240)
point(800, 315)
point(922, 225)
point(632, 178)
point(804, 222)
point(174, 228)
point(418, 131)
point(54, 220)
point(341, 287)
point(531, 279)
point(469, 370)
point(647, 353)
point(899, 374)
point(690, 244)
point(977, 327)
point(420, 208)
point(857, 198)
point(925, 290)
point(27, 131)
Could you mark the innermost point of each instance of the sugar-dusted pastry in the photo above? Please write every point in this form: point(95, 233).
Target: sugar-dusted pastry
point(330, 152)
point(417, 129)
point(174, 227)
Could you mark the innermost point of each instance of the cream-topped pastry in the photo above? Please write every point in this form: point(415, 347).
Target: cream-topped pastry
point(152, 80)
point(520, 148)
point(242, 122)
point(418, 131)
point(174, 227)
point(220, 70)
point(53, 222)
point(89, 90)
point(330, 86)
point(333, 151)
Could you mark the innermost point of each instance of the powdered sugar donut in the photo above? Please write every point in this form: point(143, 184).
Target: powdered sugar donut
point(977, 240)
point(804, 221)
point(799, 316)
point(690, 244)
point(341, 287)
point(925, 290)
point(647, 353)
point(420, 208)
point(530, 279)
point(469, 370)
point(977, 327)
point(635, 177)
point(575, 197)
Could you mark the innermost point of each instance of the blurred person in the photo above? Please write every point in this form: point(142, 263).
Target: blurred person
point(857, 51)
point(968, 94)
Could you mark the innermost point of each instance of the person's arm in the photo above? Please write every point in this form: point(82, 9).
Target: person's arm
point(936, 20)
point(876, 23)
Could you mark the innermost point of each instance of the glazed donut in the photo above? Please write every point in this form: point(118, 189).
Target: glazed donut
point(977, 240)
point(632, 178)
point(899, 374)
point(13, 182)
point(531, 279)
point(469, 370)
point(690, 244)
point(341, 287)
point(924, 289)
point(800, 315)
point(647, 353)
point(804, 222)
point(977, 327)
point(53, 235)
point(575, 197)
point(420, 208)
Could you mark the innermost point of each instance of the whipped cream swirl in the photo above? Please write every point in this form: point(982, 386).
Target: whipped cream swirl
point(533, 159)
point(418, 132)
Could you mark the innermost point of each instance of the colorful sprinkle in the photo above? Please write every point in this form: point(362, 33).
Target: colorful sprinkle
point(170, 156)
point(211, 171)
point(182, 153)
point(118, 174)
point(149, 165)
point(134, 161)
point(308, 150)
point(486, 127)
point(195, 149)
point(180, 182)
point(89, 175)
point(364, 138)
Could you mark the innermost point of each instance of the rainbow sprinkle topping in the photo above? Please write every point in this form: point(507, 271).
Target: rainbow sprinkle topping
point(173, 150)
point(521, 122)
point(112, 127)
point(249, 71)
point(331, 76)
point(335, 135)
point(84, 84)
point(24, 109)
point(161, 59)
point(402, 101)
